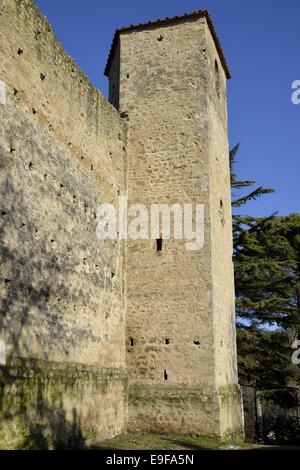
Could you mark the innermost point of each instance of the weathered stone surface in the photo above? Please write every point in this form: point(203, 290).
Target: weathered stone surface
point(173, 90)
point(77, 313)
point(51, 405)
point(61, 154)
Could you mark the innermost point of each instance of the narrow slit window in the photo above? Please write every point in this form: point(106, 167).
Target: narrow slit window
point(217, 78)
point(159, 244)
point(165, 375)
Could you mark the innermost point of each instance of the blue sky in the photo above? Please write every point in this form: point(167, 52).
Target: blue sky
point(260, 39)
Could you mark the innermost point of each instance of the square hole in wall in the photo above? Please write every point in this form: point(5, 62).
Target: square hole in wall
point(159, 244)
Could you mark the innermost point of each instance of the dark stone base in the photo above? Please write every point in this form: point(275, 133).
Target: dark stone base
point(183, 409)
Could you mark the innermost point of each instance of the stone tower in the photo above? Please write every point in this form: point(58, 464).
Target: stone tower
point(168, 79)
point(69, 300)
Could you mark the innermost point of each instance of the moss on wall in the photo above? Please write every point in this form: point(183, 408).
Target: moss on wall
point(49, 405)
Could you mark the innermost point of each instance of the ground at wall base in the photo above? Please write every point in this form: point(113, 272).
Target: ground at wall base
point(182, 442)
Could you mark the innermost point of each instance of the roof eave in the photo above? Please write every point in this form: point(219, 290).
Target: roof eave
point(166, 21)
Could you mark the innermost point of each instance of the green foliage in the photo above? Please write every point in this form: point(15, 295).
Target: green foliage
point(238, 184)
point(265, 363)
point(267, 281)
point(267, 266)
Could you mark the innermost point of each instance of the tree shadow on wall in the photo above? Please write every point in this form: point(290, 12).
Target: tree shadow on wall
point(31, 297)
point(31, 418)
point(57, 432)
point(28, 273)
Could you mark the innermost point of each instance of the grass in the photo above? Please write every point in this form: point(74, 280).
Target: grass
point(172, 442)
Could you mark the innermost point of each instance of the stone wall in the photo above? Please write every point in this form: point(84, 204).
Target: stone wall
point(54, 405)
point(62, 152)
point(63, 293)
point(222, 275)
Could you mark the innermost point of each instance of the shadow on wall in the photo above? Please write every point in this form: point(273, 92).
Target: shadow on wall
point(64, 434)
point(27, 282)
point(56, 432)
point(38, 424)
point(32, 411)
point(37, 301)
